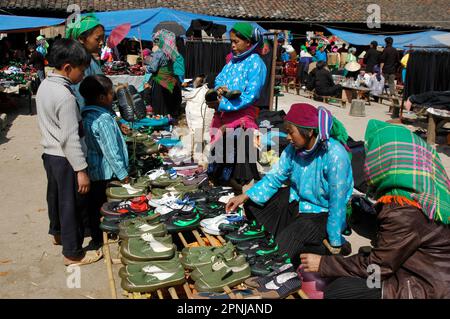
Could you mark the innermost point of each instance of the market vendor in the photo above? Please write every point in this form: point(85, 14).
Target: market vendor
point(165, 82)
point(246, 72)
point(322, 81)
point(318, 167)
point(411, 256)
point(91, 35)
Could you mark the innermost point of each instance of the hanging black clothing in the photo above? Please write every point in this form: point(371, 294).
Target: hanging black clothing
point(427, 71)
point(210, 28)
point(438, 100)
point(207, 58)
point(371, 59)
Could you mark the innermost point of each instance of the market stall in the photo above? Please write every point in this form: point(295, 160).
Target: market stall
point(18, 80)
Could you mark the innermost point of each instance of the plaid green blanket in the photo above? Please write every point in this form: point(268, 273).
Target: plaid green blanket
point(400, 163)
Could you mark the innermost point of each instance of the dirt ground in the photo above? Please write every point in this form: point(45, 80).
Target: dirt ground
point(30, 266)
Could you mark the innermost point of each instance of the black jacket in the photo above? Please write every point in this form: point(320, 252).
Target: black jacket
point(391, 60)
point(371, 59)
point(323, 81)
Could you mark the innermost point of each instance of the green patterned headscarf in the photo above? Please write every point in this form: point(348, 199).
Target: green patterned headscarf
point(244, 28)
point(167, 43)
point(401, 164)
point(75, 29)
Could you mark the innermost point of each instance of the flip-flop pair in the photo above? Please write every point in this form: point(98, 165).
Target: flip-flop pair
point(90, 257)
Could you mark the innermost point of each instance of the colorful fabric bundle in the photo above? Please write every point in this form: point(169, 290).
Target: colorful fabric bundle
point(167, 43)
point(401, 167)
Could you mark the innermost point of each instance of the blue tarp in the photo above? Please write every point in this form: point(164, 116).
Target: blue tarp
point(12, 23)
point(425, 38)
point(143, 21)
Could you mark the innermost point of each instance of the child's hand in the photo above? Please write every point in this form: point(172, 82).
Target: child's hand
point(84, 184)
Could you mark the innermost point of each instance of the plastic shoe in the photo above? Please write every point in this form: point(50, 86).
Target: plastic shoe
point(146, 282)
point(212, 225)
point(235, 294)
point(158, 193)
point(264, 265)
point(196, 251)
point(183, 221)
point(261, 249)
point(118, 209)
point(150, 219)
point(198, 179)
point(165, 181)
point(110, 226)
point(136, 249)
point(257, 282)
point(139, 226)
point(211, 95)
point(216, 264)
point(154, 174)
point(225, 275)
point(210, 209)
point(125, 192)
point(127, 262)
point(194, 258)
point(247, 232)
point(170, 206)
point(208, 194)
point(181, 188)
point(125, 104)
point(232, 95)
point(281, 286)
point(140, 110)
point(165, 199)
point(150, 267)
point(246, 245)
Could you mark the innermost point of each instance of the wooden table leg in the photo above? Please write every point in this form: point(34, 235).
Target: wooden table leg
point(107, 256)
point(431, 132)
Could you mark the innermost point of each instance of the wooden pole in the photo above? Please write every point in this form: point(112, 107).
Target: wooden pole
point(140, 44)
point(274, 65)
point(107, 256)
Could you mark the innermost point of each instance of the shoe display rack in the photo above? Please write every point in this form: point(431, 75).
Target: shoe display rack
point(187, 239)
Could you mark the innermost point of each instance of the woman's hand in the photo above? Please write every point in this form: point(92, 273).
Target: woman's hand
point(221, 90)
point(235, 202)
point(310, 262)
